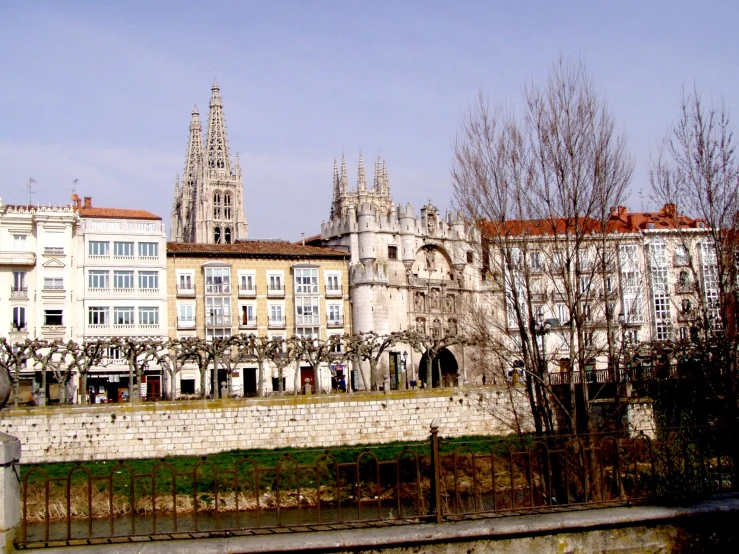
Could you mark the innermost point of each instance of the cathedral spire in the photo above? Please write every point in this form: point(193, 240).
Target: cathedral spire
point(237, 166)
point(344, 183)
point(217, 157)
point(377, 181)
point(361, 183)
point(385, 180)
point(336, 189)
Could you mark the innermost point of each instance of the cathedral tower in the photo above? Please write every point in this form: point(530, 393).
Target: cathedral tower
point(208, 204)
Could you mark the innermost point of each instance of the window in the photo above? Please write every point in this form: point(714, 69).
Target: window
point(535, 261)
point(217, 280)
point(563, 314)
point(470, 256)
point(246, 282)
point(218, 311)
point(685, 308)
point(53, 317)
point(587, 313)
point(123, 279)
point(333, 282)
point(227, 207)
point(306, 311)
point(217, 205)
point(148, 316)
point(584, 285)
point(275, 312)
point(124, 249)
point(247, 314)
point(98, 279)
point(221, 333)
point(148, 249)
point(19, 281)
point(217, 235)
point(98, 316)
point(392, 252)
point(123, 316)
point(186, 313)
point(307, 332)
point(609, 285)
point(631, 282)
point(334, 312)
point(184, 281)
point(19, 243)
point(684, 333)
point(306, 281)
point(275, 282)
point(99, 248)
point(632, 309)
point(149, 280)
point(19, 317)
point(227, 235)
point(53, 283)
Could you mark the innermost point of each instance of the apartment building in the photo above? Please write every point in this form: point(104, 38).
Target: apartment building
point(36, 273)
point(262, 287)
point(637, 281)
point(121, 268)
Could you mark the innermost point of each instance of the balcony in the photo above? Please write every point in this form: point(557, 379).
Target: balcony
point(17, 258)
point(148, 260)
point(248, 323)
point(334, 292)
point(247, 293)
point(186, 323)
point(19, 293)
point(186, 291)
point(335, 322)
point(538, 296)
point(276, 323)
point(218, 321)
point(276, 292)
point(55, 251)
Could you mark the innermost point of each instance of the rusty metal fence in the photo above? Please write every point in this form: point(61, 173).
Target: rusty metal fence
point(90, 503)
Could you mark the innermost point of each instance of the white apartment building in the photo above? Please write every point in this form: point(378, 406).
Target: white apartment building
point(36, 274)
point(121, 271)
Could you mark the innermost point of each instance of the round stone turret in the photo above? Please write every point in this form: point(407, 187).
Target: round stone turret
point(367, 233)
point(407, 223)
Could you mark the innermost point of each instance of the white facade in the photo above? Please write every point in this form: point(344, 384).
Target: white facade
point(36, 272)
point(121, 275)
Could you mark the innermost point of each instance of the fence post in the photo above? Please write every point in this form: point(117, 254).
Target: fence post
point(10, 491)
point(435, 500)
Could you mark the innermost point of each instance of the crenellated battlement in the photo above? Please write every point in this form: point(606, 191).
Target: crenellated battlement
point(372, 273)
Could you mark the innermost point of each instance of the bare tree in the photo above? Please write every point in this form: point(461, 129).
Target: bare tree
point(430, 346)
point(173, 356)
point(370, 347)
point(696, 171)
point(82, 357)
point(314, 352)
point(13, 358)
point(138, 353)
point(540, 187)
point(261, 349)
point(282, 354)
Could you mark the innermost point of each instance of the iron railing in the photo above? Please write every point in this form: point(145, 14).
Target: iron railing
point(322, 490)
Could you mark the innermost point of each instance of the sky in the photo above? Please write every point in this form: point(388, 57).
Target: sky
point(96, 96)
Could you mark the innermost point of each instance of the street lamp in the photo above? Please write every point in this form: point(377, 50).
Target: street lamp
point(541, 328)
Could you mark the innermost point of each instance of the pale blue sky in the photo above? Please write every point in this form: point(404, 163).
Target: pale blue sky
point(102, 91)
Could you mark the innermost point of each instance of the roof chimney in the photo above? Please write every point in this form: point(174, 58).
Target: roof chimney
point(88, 201)
point(670, 210)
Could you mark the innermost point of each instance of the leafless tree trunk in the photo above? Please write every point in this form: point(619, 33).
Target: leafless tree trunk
point(541, 186)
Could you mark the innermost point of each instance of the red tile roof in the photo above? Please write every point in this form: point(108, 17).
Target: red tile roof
point(117, 213)
point(620, 221)
point(252, 248)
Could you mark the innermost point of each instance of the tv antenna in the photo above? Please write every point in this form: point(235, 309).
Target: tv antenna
point(31, 192)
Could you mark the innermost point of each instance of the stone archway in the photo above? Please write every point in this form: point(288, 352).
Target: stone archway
point(444, 369)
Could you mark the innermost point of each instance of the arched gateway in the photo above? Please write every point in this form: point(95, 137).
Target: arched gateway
point(444, 369)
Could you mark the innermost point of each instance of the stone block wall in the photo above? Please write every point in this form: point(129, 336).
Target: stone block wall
point(108, 432)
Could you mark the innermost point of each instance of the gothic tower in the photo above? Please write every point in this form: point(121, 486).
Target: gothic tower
point(208, 205)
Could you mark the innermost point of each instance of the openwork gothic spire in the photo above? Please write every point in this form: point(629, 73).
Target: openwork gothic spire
point(361, 183)
point(208, 205)
point(217, 156)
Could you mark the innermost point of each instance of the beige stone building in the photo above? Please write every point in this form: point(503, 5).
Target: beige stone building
point(262, 287)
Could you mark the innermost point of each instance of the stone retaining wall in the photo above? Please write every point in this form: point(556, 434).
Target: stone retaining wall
point(72, 433)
